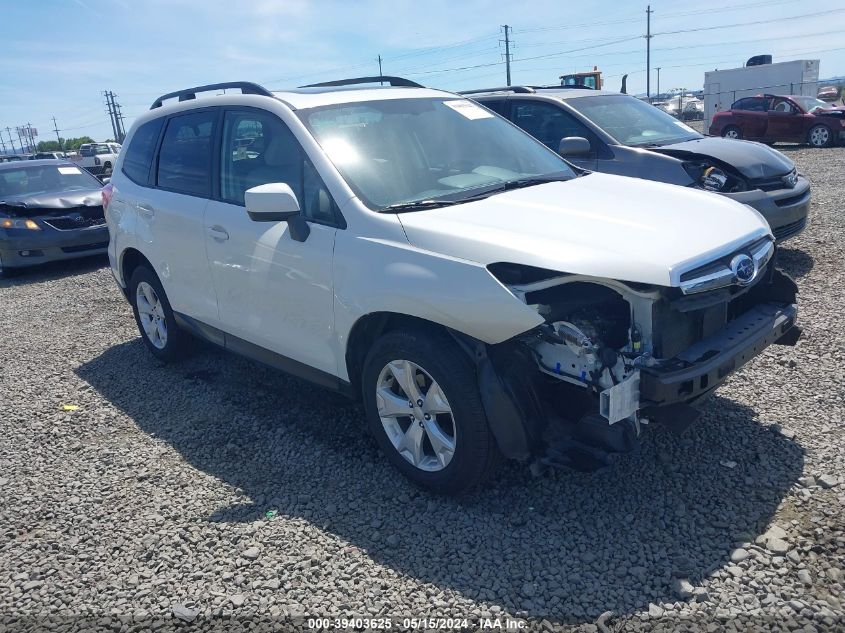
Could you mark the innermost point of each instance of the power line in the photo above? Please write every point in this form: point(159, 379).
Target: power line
point(754, 23)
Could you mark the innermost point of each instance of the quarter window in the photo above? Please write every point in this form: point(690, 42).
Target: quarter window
point(184, 162)
point(139, 154)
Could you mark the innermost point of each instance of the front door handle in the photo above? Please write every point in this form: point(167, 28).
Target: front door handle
point(218, 233)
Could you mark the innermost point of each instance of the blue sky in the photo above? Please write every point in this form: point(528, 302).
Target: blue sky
point(59, 55)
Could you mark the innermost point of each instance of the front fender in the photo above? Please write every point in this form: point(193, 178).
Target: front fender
point(374, 275)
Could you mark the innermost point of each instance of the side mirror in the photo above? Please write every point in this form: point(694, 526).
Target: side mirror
point(573, 146)
point(276, 202)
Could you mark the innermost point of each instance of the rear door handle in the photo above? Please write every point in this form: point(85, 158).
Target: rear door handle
point(218, 233)
point(145, 211)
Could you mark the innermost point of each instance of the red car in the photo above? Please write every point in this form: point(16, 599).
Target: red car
point(773, 118)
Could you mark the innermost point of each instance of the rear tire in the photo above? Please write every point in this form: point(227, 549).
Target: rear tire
point(154, 317)
point(732, 131)
point(819, 136)
point(446, 445)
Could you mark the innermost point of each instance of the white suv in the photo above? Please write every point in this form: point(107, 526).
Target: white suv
point(409, 247)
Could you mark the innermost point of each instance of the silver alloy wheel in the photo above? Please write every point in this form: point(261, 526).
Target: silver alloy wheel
point(416, 416)
point(819, 136)
point(732, 134)
point(151, 315)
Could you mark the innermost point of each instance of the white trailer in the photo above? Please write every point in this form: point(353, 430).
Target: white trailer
point(723, 87)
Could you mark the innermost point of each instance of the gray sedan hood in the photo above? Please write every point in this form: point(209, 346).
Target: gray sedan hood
point(755, 161)
point(45, 202)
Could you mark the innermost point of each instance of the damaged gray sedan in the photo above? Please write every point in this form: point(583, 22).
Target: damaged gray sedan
point(49, 210)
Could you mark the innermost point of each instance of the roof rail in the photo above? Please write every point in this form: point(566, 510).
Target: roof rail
point(517, 89)
point(247, 88)
point(393, 81)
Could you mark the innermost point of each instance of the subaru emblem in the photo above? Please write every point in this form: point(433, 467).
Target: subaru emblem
point(744, 269)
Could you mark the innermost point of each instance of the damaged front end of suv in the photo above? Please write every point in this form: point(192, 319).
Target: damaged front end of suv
point(612, 355)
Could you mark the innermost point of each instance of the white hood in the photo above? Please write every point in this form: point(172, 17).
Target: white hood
point(598, 225)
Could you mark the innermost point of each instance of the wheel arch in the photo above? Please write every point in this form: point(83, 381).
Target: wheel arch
point(130, 259)
point(367, 330)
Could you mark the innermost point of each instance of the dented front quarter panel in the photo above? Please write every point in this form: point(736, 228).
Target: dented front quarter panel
point(387, 274)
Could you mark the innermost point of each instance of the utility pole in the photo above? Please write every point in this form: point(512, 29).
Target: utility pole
point(658, 82)
point(381, 83)
point(58, 138)
point(3, 144)
point(30, 135)
point(11, 141)
point(118, 115)
point(20, 139)
point(648, 37)
point(507, 54)
point(111, 113)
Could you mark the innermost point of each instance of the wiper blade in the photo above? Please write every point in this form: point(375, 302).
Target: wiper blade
point(417, 205)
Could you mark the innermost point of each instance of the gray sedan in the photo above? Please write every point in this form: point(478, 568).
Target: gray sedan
point(49, 210)
point(620, 134)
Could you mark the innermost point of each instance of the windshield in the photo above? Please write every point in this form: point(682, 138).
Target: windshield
point(399, 151)
point(31, 180)
point(631, 121)
point(809, 103)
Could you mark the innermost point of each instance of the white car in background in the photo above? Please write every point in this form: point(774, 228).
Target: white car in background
point(410, 248)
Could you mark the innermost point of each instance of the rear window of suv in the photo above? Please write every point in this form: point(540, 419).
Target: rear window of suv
point(140, 153)
point(184, 161)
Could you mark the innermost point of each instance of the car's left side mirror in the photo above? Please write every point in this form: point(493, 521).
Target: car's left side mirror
point(573, 146)
point(276, 202)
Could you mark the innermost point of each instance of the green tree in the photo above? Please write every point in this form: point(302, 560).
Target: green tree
point(48, 146)
point(74, 143)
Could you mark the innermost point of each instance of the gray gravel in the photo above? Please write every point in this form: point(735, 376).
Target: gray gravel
point(220, 488)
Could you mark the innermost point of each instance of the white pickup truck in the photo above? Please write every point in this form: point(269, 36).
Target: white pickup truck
point(97, 158)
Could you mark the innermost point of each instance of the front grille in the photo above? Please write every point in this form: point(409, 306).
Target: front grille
point(722, 262)
point(774, 183)
point(790, 229)
point(78, 218)
point(786, 202)
point(84, 247)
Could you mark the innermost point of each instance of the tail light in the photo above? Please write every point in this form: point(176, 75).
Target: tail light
point(107, 192)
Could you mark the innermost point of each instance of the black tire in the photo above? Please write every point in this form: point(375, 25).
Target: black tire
point(178, 342)
point(476, 454)
point(734, 129)
point(107, 170)
point(820, 136)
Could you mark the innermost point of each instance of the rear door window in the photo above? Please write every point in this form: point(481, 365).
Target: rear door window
point(547, 122)
point(184, 160)
point(499, 106)
point(140, 153)
point(752, 104)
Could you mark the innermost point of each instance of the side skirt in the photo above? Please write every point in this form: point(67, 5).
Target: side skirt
point(264, 356)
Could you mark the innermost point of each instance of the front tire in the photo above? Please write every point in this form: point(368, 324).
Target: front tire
point(819, 136)
point(6, 271)
point(732, 131)
point(154, 317)
point(424, 409)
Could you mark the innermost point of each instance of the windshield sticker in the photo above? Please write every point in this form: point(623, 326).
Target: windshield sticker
point(69, 170)
point(468, 109)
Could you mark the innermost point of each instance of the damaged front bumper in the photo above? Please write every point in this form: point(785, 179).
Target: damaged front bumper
point(701, 368)
point(573, 386)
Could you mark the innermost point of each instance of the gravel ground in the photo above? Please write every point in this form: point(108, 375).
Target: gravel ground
point(220, 488)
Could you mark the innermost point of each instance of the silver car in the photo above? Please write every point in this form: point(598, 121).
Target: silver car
point(620, 134)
